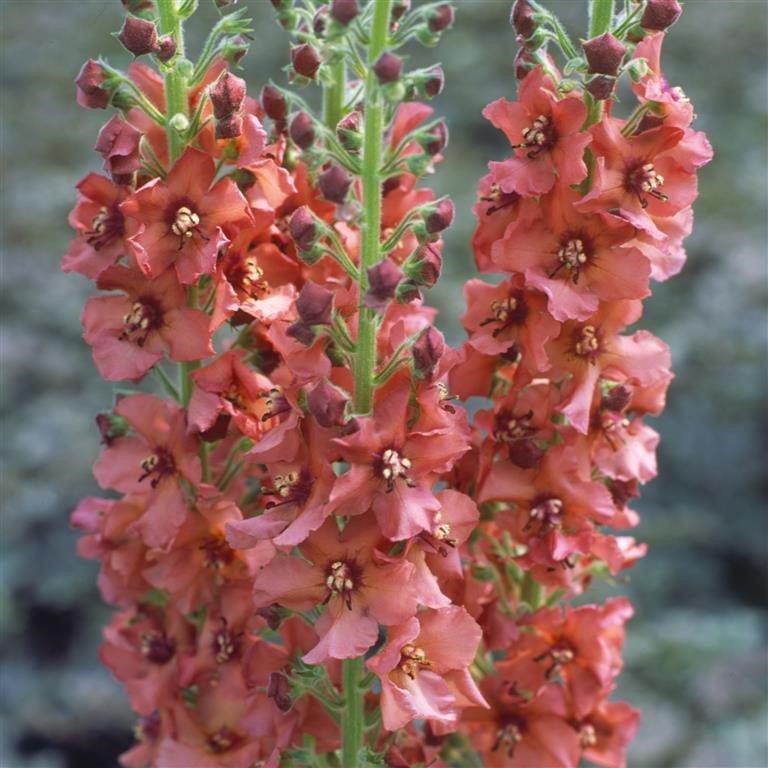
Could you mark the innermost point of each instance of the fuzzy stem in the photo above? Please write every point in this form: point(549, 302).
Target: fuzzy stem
point(175, 82)
point(333, 95)
point(352, 714)
point(600, 17)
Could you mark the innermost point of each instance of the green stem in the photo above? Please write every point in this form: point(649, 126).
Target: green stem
point(532, 592)
point(600, 17)
point(175, 83)
point(333, 95)
point(352, 714)
point(365, 358)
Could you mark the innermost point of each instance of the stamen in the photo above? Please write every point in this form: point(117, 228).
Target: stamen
point(412, 659)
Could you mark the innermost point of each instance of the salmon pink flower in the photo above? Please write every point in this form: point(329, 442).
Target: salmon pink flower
point(606, 733)
point(423, 668)
point(342, 571)
point(129, 333)
point(153, 461)
point(181, 219)
point(545, 133)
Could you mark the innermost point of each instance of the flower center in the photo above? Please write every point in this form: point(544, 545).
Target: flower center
point(507, 738)
point(509, 428)
point(508, 311)
point(547, 514)
point(412, 659)
point(645, 181)
point(185, 222)
point(106, 227)
point(340, 580)
point(500, 198)
point(276, 403)
point(217, 554)
point(139, 322)
point(253, 276)
point(572, 256)
point(393, 465)
point(147, 728)
point(537, 137)
point(587, 736)
point(223, 740)
point(160, 464)
point(157, 647)
point(587, 343)
point(225, 644)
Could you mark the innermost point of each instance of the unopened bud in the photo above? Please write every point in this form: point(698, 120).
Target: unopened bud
point(441, 18)
point(320, 21)
point(434, 81)
point(89, 81)
point(302, 130)
point(111, 427)
point(604, 54)
point(400, 8)
point(229, 127)
point(166, 49)
point(343, 11)
point(306, 60)
point(525, 453)
point(600, 87)
point(301, 332)
point(348, 131)
point(660, 14)
point(327, 405)
point(118, 144)
point(227, 94)
point(139, 36)
point(427, 351)
point(314, 304)
point(303, 228)
point(441, 217)
point(436, 139)
point(522, 18)
point(524, 63)
point(425, 271)
point(233, 50)
point(388, 68)
point(273, 103)
point(179, 122)
point(383, 280)
point(279, 690)
point(616, 399)
point(334, 184)
point(271, 614)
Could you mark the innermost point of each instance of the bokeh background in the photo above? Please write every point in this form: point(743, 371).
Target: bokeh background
point(697, 655)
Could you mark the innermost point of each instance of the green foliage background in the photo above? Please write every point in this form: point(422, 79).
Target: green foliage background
point(696, 657)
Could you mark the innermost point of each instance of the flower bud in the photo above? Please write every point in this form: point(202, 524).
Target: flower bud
point(343, 11)
point(436, 139)
point(327, 405)
point(425, 271)
point(306, 60)
point(523, 19)
point(273, 103)
point(314, 304)
point(89, 86)
point(302, 130)
point(524, 62)
point(166, 48)
point(227, 94)
point(660, 14)
point(348, 131)
point(604, 54)
point(301, 332)
point(383, 280)
point(139, 36)
point(279, 690)
point(334, 184)
point(320, 21)
point(233, 50)
point(525, 453)
point(427, 351)
point(388, 68)
point(118, 144)
point(601, 87)
point(434, 81)
point(616, 399)
point(303, 228)
point(441, 18)
point(272, 615)
point(400, 8)
point(111, 426)
point(441, 217)
point(229, 127)
point(136, 6)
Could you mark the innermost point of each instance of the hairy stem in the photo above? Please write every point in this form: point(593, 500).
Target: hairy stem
point(600, 17)
point(175, 82)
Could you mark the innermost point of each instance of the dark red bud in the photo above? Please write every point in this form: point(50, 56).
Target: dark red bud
point(434, 82)
point(118, 144)
point(229, 127)
point(111, 427)
point(320, 21)
point(348, 131)
point(334, 184)
point(218, 430)
point(428, 350)
point(271, 615)
point(438, 139)
point(616, 399)
point(302, 131)
point(136, 6)
point(441, 18)
point(303, 228)
point(525, 453)
point(166, 49)
point(344, 11)
point(426, 271)
point(139, 36)
point(306, 60)
point(273, 103)
point(622, 491)
point(388, 68)
point(660, 14)
point(524, 63)
point(390, 185)
point(89, 90)
point(327, 405)
point(604, 54)
point(601, 87)
point(383, 280)
point(227, 94)
point(301, 332)
point(314, 304)
point(522, 18)
point(441, 217)
point(400, 8)
point(279, 690)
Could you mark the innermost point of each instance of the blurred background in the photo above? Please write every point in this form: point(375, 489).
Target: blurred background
point(697, 654)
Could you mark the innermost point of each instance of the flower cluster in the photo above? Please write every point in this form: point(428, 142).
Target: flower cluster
point(313, 550)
